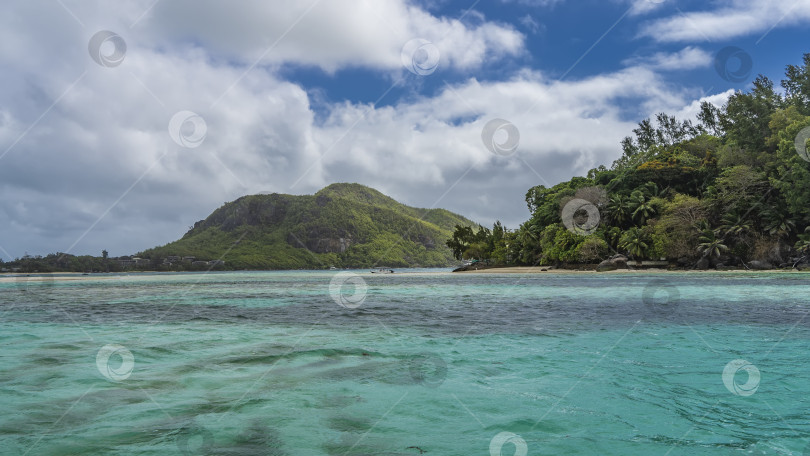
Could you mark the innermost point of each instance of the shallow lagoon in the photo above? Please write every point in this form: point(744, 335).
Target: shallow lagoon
point(244, 363)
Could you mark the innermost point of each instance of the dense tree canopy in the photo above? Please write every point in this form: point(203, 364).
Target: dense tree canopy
point(730, 188)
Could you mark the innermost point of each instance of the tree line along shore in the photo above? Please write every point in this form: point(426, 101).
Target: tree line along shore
point(731, 190)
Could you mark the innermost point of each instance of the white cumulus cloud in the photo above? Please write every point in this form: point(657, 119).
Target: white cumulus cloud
point(88, 163)
point(729, 19)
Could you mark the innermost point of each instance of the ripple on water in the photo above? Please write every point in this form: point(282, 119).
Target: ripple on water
point(268, 364)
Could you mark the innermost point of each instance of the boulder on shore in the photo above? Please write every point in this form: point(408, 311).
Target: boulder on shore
point(760, 265)
point(702, 264)
point(613, 263)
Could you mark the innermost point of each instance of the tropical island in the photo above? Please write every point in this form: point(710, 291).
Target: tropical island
point(340, 226)
point(731, 190)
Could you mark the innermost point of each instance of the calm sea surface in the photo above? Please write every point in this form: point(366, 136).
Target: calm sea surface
point(419, 362)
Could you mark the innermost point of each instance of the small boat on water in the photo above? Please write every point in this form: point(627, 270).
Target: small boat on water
point(383, 271)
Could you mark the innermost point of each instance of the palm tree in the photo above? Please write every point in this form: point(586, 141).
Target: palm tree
point(711, 245)
point(803, 244)
point(619, 209)
point(735, 224)
point(777, 222)
point(702, 225)
point(641, 207)
point(651, 189)
point(613, 237)
point(633, 241)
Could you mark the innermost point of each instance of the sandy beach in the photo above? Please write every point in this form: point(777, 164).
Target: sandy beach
point(77, 276)
point(61, 277)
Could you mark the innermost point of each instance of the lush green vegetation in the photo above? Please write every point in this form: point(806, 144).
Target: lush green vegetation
point(728, 189)
point(343, 225)
point(62, 262)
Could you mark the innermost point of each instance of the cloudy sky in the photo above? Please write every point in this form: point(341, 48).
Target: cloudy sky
point(122, 123)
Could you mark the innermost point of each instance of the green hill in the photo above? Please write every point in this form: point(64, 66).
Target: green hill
point(342, 225)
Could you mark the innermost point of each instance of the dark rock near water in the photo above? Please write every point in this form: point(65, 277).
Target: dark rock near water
point(760, 265)
point(478, 265)
point(613, 263)
point(606, 266)
point(702, 264)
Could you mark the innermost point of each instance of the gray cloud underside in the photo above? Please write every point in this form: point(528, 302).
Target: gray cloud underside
point(87, 146)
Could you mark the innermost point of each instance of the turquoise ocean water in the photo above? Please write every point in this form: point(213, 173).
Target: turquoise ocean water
point(419, 362)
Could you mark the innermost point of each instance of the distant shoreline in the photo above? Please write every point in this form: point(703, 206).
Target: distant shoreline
point(526, 270)
point(550, 270)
